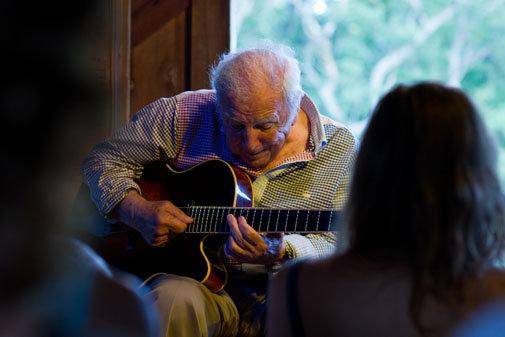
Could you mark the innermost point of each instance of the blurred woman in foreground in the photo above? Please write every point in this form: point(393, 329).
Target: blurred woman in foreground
point(426, 224)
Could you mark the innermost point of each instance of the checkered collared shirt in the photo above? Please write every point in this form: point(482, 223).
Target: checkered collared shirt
point(186, 130)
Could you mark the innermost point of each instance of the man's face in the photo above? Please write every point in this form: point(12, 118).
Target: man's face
point(255, 129)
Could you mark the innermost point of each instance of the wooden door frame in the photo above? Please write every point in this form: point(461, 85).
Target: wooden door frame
point(207, 37)
point(120, 60)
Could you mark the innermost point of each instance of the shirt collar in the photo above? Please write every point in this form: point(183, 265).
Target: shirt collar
point(317, 135)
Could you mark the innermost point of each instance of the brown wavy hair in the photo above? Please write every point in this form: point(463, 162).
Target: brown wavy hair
point(425, 191)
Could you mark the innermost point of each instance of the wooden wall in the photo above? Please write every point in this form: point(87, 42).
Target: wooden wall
point(154, 48)
point(173, 45)
point(140, 50)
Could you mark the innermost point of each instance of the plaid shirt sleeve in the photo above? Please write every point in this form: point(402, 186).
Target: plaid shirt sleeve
point(310, 245)
point(322, 244)
point(112, 165)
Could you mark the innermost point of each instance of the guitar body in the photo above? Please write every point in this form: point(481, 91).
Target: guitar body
point(207, 192)
point(212, 183)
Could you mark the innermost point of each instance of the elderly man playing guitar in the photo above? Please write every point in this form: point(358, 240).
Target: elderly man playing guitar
point(258, 120)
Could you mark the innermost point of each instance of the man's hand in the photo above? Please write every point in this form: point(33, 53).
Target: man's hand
point(157, 221)
point(246, 245)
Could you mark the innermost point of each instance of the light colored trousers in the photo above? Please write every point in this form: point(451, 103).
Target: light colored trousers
point(189, 309)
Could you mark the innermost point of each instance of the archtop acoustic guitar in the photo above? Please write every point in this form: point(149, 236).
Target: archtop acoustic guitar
point(207, 192)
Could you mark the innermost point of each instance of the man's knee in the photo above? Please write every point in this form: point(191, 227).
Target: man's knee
point(187, 308)
point(180, 304)
point(176, 291)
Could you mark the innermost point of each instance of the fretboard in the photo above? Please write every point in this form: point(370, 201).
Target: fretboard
point(212, 219)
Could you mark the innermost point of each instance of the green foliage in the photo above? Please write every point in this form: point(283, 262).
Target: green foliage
point(357, 50)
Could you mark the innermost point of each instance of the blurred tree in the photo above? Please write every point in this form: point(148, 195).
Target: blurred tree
point(352, 52)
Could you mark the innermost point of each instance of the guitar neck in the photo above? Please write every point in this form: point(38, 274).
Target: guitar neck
point(212, 219)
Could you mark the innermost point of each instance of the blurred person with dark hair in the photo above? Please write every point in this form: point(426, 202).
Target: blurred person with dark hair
point(426, 224)
point(51, 285)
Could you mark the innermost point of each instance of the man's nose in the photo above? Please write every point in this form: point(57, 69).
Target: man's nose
point(251, 141)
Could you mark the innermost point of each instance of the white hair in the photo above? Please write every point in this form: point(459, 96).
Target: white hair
point(238, 73)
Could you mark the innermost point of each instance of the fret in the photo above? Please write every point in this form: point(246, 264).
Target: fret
point(212, 227)
point(312, 220)
point(286, 222)
point(262, 226)
point(257, 221)
point(224, 223)
point(252, 218)
point(219, 219)
point(205, 219)
point(232, 211)
point(197, 219)
point(329, 220)
point(318, 216)
point(189, 213)
point(247, 215)
point(215, 219)
point(291, 221)
point(324, 219)
point(235, 212)
point(277, 221)
point(269, 216)
point(205, 215)
point(193, 215)
point(261, 217)
point(211, 220)
point(307, 213)
point(296, 220)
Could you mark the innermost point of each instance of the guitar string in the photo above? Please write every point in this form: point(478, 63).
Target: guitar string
point(210, 219)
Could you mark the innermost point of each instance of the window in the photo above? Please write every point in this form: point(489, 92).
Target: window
point(353, 51)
